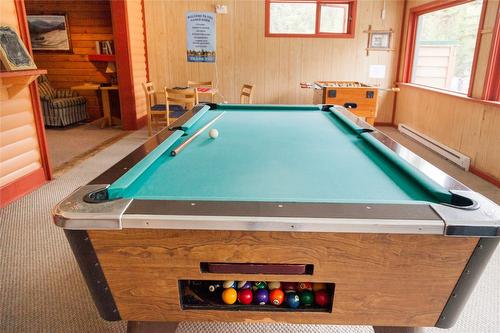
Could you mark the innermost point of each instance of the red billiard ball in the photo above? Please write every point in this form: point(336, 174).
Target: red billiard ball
point(288, 287)
point(305, 286)
point(277, 296)
point(321, 298)
point(245, 296)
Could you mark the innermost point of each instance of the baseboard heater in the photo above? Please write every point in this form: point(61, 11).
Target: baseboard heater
point(450, 154)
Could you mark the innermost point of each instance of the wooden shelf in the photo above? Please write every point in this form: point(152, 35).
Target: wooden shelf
point(15, 81)
point(101, 57)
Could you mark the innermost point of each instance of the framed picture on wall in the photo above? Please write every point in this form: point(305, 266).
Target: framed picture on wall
point(13, 52)
point(49, 32)
point(380, 40)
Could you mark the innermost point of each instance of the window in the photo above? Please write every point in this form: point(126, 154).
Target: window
point(443, 43)
point(310, 18)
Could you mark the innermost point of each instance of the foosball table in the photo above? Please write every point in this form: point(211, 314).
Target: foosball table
point(359, 98)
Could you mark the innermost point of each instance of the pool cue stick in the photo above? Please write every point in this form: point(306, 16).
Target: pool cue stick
point(188, 141)
point(395, 89)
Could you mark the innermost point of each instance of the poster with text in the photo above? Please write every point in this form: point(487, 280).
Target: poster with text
point(200, 31)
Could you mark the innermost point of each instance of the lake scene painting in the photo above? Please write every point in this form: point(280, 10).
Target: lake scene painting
point(49, 32)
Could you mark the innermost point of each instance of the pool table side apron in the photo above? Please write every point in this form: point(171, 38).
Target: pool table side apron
point(380, 279)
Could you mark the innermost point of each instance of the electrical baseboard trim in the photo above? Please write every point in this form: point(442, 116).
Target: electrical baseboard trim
point(450, 154)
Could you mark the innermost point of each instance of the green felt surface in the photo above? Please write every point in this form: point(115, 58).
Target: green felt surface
point(263, 153)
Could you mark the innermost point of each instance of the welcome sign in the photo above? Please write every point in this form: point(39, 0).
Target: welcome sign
point(200, 32)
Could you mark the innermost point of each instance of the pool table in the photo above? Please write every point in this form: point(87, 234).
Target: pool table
point(289, 193)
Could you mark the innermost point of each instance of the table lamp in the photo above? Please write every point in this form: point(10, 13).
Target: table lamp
point(111, 69)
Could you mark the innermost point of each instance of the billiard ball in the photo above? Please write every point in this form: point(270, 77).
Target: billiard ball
point(277, 296)
point(245, 296)
point(229, 296)
point(319, 286)
point(244, 285)
point(213, 133)
point(273, 285)
point(288, 287)
point(214, 287)
point(304, 286)
point(307, 297)
point(321, 298)
point(262, 296)
point(292, 299)
point(229, 284)
point(259, 285)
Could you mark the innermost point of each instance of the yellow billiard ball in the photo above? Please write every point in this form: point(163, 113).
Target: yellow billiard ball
point(229, 296)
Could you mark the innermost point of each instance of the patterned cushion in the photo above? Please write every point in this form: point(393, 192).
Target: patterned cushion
point(69, 101)
point(46, 90)
point(159, 107)
point(61, 93)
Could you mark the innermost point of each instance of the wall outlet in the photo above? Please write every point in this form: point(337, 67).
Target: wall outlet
point(221, 9)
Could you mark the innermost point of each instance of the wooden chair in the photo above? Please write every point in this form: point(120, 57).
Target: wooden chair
point(179, 100)
point(202, 84)
point(246, 94)
point(155, 111)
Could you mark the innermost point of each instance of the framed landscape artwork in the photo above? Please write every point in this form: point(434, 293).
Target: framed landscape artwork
point(49, 32)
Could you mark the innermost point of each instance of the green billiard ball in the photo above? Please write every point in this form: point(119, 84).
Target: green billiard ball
point(307, 298)
point(259, 285)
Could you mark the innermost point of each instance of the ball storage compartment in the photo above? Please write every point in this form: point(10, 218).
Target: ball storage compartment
point(256, 296)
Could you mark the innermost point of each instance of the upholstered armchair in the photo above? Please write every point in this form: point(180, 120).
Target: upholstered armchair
point(61, 107)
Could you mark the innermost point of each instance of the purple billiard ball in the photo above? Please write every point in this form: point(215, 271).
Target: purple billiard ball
point(262, 296)
point(244, 285)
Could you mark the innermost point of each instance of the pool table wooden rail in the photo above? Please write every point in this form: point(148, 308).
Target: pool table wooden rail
point(479, 216)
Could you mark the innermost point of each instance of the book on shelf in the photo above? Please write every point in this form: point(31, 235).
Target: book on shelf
point(104, 47)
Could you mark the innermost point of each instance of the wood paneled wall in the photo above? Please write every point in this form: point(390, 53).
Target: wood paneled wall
point(137, 54)
point(466, 125)
point(275, 65)
point(19, 149)
point(89, 21)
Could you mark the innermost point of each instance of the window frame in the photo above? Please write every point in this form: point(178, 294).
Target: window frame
point(491, 89)
point(351, 19)
point(411, 39)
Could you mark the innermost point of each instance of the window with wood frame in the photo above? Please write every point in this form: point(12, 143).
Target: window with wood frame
point(442, 45)
point(310, 18)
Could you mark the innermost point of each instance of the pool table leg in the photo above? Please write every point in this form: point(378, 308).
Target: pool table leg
point(390, 329)
point(151, 327)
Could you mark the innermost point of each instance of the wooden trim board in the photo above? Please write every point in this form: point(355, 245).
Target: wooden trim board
point(21, 186)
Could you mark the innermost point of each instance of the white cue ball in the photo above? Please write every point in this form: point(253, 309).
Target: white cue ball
point(213, 133)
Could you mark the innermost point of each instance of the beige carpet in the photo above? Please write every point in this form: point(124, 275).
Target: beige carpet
point(42, 290)
point(68, 143)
